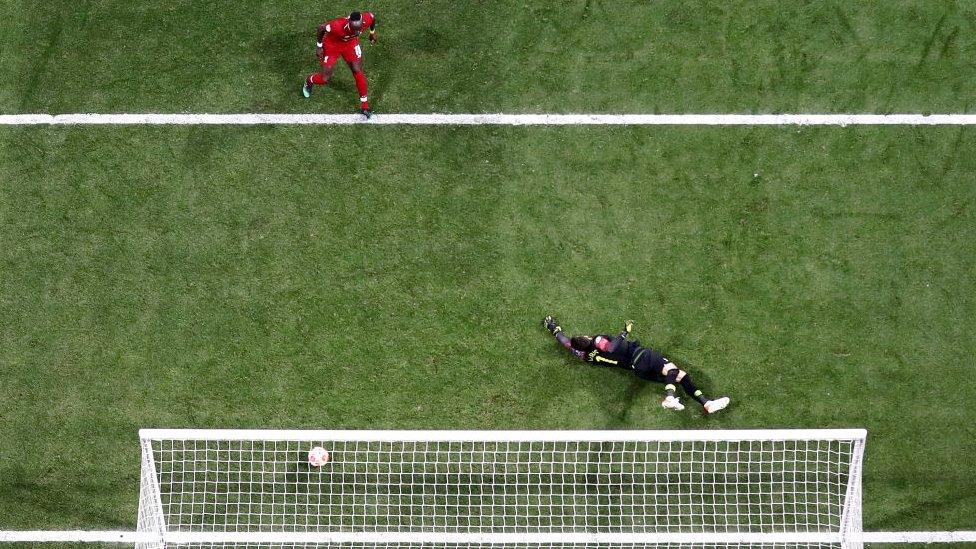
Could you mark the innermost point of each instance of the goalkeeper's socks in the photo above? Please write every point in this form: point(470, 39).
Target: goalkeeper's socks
point(669, 390)
point(362, 89)
point(689, 387)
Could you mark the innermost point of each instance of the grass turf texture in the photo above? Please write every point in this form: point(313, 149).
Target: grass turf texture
point(247, 277)
point(511, 56)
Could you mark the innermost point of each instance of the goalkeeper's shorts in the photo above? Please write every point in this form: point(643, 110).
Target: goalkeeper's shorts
point(648, 365)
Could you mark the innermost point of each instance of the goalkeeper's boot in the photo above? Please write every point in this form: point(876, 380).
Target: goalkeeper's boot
point(671, 402)
point(307, 89)
point(713, 406)
point(367, 113)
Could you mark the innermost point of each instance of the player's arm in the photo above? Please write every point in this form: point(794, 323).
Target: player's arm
point(323, 30)
point(556, 330)
point(372, 28)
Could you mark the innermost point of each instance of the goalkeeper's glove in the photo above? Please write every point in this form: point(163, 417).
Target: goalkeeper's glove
point(628, 326)
point(552, 325)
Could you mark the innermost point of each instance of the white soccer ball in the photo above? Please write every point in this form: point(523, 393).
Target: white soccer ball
point(318, 456)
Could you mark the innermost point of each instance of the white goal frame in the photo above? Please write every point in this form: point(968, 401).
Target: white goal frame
point(152, 523)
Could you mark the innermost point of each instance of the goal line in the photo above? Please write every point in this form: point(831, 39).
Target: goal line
point(497, 119)
point(454, 539)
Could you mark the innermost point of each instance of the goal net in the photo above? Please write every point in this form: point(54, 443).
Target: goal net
point(501, 489)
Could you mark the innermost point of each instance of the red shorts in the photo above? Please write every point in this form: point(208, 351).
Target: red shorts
point(332, 52)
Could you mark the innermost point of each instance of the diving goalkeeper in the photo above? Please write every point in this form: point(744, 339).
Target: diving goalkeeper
point(621, 352)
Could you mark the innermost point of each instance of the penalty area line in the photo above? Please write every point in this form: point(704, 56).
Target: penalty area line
point(498, 119)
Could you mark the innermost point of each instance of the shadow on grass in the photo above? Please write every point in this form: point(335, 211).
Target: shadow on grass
point(39, 68)
point(77, 505)
point(619, 416)
point(289, 55)
point(921, 510)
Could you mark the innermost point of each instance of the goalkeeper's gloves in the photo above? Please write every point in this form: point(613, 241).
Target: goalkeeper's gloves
point(552, 325)
point(628, 326)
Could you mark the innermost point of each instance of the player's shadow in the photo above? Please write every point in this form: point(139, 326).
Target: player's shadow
point(607, 387)
point(928, 506)
point(410, 486)
point(428, 40)
point(291, 56)
point(349, 493)
point(636, 388)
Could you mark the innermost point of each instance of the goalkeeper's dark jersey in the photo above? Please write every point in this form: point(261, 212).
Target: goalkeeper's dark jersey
point(620, 354)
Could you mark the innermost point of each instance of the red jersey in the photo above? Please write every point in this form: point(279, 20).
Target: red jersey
point(338, 31)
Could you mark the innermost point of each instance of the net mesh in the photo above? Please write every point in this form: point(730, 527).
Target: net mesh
point(497, 486)
point(805, 545)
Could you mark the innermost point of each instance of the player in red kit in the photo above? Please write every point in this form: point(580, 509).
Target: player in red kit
point(340, 38)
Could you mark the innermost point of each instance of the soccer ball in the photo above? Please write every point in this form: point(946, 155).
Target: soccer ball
point(318, 456)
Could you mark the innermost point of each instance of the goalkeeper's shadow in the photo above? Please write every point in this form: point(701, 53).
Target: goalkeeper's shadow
point(620, 417)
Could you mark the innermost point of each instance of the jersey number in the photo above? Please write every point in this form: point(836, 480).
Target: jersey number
point(359, 51)
point(601, 359)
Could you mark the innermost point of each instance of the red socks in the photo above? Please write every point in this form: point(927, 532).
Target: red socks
point(315, 79)
point(361, 87)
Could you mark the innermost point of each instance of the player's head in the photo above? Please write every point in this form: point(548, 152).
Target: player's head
point(587, 343)
point(356, 20)
point(581, 343)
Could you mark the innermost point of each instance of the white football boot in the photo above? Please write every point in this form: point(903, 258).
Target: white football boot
point(713, 406)
point(672, 403)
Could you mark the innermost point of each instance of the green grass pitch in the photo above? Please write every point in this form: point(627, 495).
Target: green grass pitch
point(387, 277)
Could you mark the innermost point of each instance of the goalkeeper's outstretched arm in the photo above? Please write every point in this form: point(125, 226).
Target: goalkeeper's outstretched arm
point(556, 330)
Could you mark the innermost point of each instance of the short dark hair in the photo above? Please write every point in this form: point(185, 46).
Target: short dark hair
point(581, 343)
point(355, 16)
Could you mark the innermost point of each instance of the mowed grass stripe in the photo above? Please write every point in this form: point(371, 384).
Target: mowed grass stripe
point(880, 56)
point(502, 119)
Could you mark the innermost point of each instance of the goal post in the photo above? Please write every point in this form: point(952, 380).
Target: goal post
point(150, 519)
point(503, 489)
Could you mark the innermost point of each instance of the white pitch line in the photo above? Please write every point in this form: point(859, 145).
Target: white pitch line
point(542, 539)
point(495, 119)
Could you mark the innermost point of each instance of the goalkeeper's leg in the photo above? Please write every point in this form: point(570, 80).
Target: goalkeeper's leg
point(673, 374)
